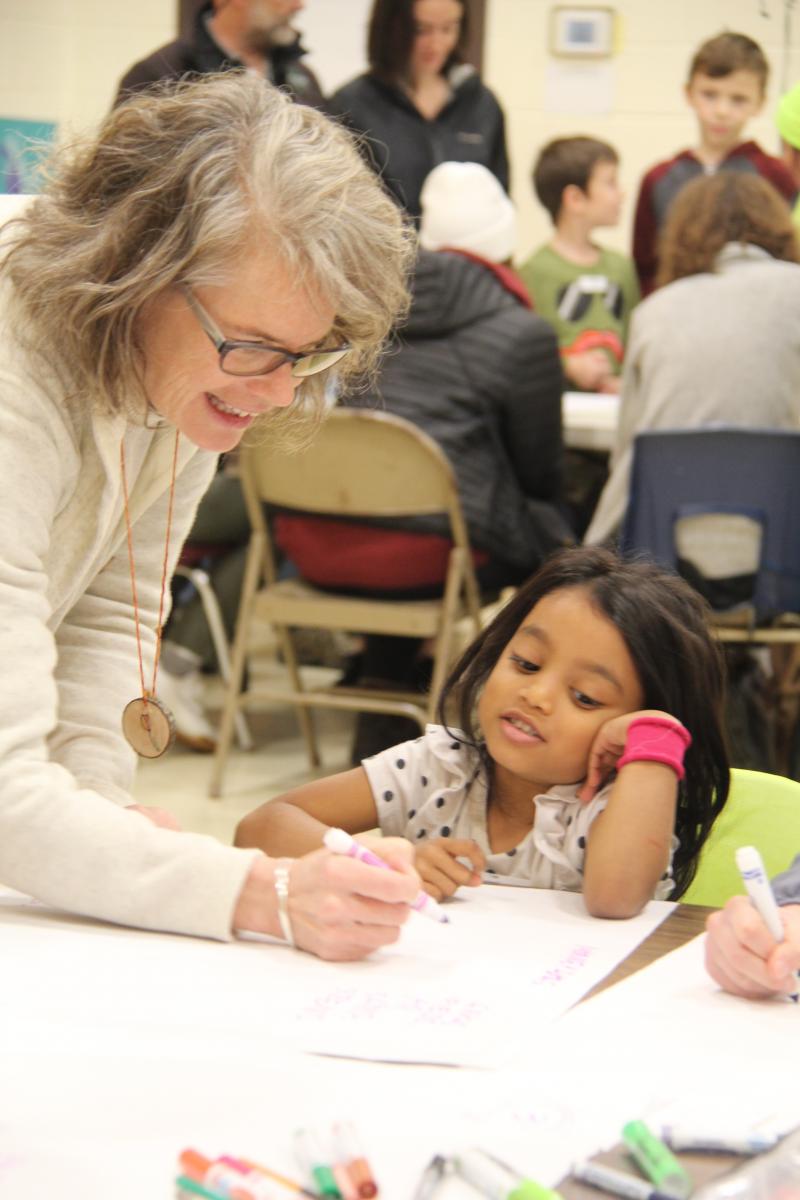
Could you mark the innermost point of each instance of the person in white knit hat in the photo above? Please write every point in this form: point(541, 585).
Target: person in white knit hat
point(464, 207)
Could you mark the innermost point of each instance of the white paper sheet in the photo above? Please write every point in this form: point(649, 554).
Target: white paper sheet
point(675, 1016)
point(466, 993)
point(462, 993)
point(119, 1049)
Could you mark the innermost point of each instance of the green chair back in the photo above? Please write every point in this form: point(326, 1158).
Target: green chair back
point(762, 811)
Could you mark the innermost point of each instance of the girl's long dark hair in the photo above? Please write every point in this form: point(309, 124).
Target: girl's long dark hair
point(664, 624)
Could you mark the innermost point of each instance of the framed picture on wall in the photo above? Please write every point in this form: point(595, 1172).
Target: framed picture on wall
point(577, 32)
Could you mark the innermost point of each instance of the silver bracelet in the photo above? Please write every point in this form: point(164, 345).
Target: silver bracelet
point(281, 884)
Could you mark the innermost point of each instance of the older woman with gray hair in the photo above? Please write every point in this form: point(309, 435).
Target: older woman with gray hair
point(197, 270)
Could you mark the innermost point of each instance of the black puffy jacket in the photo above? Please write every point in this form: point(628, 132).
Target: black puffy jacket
point(481, 374)
point(403, 146)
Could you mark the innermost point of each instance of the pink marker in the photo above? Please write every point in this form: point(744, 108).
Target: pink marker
point(339, 842)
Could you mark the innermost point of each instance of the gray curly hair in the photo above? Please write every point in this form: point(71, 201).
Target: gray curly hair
point(171, 190)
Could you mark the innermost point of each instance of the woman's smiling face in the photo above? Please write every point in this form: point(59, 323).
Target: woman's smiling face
point(182, 376)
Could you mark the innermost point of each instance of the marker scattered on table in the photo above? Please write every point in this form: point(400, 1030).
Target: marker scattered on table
point(354, 1160)
point(189, 1187)
point(309, 1154)
point(268, 1173)
point(686, 1140)
point(754, 878)
point(339, 842)
point(618, 1183)
point(496, 1180)
point(656, 1160)
point(220, 1177)
point(432, 1176)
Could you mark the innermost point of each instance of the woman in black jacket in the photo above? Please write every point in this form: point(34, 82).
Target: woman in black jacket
point(420, 104)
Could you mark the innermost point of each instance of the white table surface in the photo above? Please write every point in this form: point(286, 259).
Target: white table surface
point(590, 420)
point(120, 1048)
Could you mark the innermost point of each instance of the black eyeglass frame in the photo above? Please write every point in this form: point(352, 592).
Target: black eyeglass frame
point(224, 346)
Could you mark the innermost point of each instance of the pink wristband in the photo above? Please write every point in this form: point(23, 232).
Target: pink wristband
point(656, 739)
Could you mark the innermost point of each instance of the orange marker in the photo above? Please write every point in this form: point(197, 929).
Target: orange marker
point(345, 1182)
point(217, 1176)
point(352, 1156)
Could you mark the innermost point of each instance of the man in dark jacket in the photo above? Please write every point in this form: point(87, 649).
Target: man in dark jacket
point(234, 33)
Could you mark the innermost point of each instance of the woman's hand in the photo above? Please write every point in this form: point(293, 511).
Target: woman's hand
point(339, 908)
point(439, 869)
point(608, 747)
point(743, 957)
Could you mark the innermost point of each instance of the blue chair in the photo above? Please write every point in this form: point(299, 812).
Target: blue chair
point(745, 477)
point(762, 811)
point(749, 473)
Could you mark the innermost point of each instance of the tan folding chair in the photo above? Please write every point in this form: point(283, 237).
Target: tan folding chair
point(361, 464)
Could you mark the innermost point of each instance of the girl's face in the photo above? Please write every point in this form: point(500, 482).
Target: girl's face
point(565, 673)
point(437, 25)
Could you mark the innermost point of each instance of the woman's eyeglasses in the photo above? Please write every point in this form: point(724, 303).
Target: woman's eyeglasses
point(257, 358)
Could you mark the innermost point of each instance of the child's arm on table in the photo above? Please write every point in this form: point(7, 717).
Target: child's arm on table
point(628, 845)
point(295, 823)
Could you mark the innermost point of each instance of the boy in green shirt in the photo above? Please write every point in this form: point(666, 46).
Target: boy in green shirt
point(584, 290)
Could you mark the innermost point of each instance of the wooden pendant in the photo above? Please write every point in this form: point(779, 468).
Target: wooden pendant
point(149, 726)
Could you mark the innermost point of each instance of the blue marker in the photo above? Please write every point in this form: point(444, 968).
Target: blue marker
point(618, 1183)
point(681, 1139)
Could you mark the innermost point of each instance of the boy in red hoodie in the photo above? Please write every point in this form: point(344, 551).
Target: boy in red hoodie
point(726, 88)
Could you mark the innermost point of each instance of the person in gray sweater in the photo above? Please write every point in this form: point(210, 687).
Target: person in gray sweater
point(719, 341)
point(211, 250)
point(741, 954)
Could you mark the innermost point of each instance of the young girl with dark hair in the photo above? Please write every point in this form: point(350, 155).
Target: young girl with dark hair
point(576, 709)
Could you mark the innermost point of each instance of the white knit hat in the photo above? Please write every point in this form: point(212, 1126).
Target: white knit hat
point(464, 206)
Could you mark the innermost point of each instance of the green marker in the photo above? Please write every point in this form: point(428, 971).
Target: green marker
point(187, 1186)
point(657, 1162)
point(310, 1157)
point(496, 1180)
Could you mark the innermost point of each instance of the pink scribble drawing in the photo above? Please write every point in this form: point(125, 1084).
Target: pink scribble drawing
point(360, 1007)
point(570, 965)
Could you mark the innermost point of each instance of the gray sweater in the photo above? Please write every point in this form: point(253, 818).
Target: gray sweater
point(722, 348)
point(68, 648)
point(787, 886)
